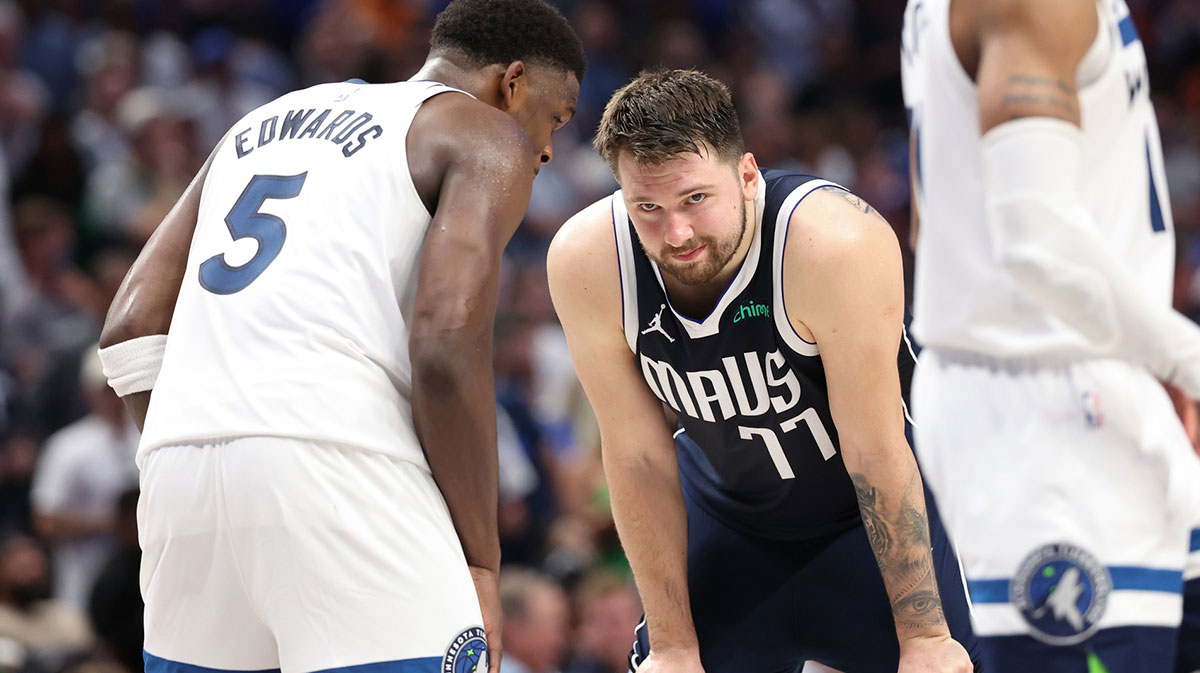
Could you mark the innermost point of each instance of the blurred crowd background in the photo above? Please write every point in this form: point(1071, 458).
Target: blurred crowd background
point(109, 107)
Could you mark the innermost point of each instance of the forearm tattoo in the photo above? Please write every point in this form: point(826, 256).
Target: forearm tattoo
point(899, 536)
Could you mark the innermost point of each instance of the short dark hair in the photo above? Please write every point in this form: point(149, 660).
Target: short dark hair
point(665, 113)
point(503, 31)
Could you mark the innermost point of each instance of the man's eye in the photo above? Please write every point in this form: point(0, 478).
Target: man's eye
point(696, 198)
point(647, 207)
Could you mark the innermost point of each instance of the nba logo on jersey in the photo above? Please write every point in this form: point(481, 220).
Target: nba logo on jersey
point(1092, 414)
point(1061, 591)
point(467, 652)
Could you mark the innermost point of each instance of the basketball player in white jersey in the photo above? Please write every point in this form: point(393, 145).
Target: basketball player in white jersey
point(319, 452)
point(1043, 288)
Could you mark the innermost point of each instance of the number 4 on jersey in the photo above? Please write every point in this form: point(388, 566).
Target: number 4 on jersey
point(244, 221)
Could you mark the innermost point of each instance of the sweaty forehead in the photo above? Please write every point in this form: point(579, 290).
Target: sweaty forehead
point(558, 86)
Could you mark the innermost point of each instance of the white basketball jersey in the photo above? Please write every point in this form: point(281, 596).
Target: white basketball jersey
point(293, 318)
point(963, 299)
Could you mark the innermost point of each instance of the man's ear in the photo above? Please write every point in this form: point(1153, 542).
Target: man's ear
point(748, 172)
point(514, 87)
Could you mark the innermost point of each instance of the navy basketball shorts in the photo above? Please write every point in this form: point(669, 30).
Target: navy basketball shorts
point(1071, 492)
point(767, 606)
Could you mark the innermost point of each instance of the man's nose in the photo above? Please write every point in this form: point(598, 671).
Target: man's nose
point(678, 231)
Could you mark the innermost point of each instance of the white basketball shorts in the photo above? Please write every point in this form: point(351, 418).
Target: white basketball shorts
point(265, 553)
point(1070, 492)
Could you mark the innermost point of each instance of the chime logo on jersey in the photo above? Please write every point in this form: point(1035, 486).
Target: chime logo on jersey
point(751, 309)
point(467, 652)
point(707, 393)
point(1061, 591)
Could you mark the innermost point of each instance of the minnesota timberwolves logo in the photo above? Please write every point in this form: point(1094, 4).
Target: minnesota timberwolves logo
point(467, 653)
point(1061, 590)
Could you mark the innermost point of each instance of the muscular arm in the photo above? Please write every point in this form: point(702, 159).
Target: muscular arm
point(1029, 52)
point(486, 177)
point(145, 302)
point(639, 454)
point(843, 277)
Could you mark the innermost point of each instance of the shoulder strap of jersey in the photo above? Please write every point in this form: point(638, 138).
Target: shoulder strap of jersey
point(627, 271)
point(785, 191)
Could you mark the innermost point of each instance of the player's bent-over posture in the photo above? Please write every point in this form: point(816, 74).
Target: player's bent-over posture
point(1043, 300)
point(783, 519)
point(319, 453)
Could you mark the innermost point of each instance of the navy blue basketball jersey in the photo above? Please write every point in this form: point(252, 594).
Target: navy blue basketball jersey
point(756, 443)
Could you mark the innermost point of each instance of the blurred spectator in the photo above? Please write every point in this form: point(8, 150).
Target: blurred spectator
point(219, 95)
point(56, 170)
point(129, 197)
point(52, 38)
point(53, 316)
point(536, 622)
point(608, 610)
point(23, 97)
point(83, 470)
point(108, 63)
point(13, 287)
point(519, 536)
point(336, 44)
point(18, 457)
point(116, 607)
point(42, 632)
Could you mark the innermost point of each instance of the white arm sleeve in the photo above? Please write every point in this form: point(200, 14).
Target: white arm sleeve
point(1043, 237)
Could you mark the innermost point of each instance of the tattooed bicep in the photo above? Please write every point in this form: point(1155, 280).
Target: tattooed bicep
point(1027, 95)
point(854, 200)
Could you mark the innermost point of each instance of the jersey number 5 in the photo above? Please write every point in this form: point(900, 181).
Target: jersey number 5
point(244, 221)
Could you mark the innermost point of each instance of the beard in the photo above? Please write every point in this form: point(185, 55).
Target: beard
point(713, 259)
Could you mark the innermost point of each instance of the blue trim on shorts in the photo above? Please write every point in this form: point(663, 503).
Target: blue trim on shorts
point(159, 665)
point(1124, 578)
point(1133, 578)
point(1195, 545)
point(416, 665)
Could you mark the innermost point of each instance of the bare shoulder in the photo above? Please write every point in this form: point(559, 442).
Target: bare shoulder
point(455, 129)
point(458, 117)
point(842, 267)
point(582, 263)
point(833, 228)
point(1068, 18)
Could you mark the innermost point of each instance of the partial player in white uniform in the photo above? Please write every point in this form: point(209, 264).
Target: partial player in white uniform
point(1043, 286)
point(318, 461)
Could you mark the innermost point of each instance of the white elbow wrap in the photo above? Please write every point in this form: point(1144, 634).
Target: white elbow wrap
point(1044, 238)
point(132, 366)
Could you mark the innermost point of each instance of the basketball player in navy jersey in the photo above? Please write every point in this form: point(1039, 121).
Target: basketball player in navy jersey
point(782, 520)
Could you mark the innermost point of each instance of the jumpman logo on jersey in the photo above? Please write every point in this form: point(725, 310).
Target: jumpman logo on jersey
point(656, 324)
point(1063, 598)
